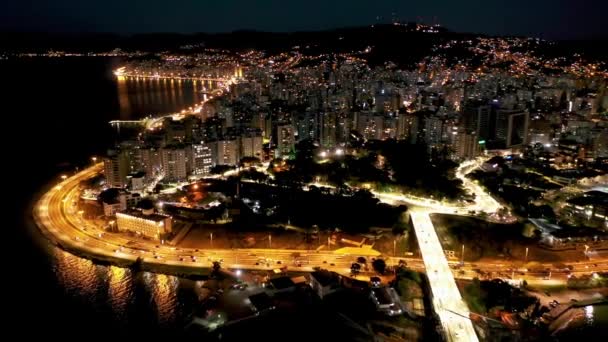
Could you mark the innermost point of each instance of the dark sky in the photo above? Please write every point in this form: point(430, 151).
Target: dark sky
point(554, 19)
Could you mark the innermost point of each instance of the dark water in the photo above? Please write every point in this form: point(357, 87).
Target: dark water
point(55, 115)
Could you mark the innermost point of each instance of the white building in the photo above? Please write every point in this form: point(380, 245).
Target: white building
point(202, 155)
point(137, 181)
point(145, 223)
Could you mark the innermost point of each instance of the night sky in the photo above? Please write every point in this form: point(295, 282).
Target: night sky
point(553, 19)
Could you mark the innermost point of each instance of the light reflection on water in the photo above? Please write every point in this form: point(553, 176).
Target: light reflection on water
point(120, 289)
point(149, 96)
point(589, 314)
point(140, 298)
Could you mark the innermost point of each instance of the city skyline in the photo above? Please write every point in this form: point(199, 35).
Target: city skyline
point(397, 180)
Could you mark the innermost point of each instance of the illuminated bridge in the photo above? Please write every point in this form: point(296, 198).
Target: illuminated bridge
point(447, 301)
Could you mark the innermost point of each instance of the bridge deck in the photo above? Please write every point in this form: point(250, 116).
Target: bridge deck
point(447, 301)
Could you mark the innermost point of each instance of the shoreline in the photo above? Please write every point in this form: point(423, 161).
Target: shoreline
point(189, 272)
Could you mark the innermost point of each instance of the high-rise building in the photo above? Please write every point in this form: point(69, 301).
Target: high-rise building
point(328, 121)
point(466, 145)
point(285, 141)
point(307, 125)
point(251, 144)
point(477, 119)
point(150, 162)
point(512, 126)
point(407, 127)
point(370, 125)
point(226, 152)
point(600, 144)
point(202, 159)
point(344, 127)
point(433, 130)
point(173, 159)
point(116, 168)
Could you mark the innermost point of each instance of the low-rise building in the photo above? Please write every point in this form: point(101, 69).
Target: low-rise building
point(324, 282)
point(592, 206)
point(137, 181)
point(386, 300)
point(145, 222)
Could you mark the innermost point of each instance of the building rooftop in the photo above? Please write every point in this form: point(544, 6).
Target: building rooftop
point(282, 283)
point(151, 217)
point(382, 295)
point(261, 301)
point(138, 174)
point(324, 277)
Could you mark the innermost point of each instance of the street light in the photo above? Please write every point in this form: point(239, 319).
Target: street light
point(211, 240)
point(526, 259)
point(395, 247)
point(94, 159)
point(269, 241)
point(64, 177)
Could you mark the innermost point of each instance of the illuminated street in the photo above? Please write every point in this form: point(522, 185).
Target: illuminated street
point(56, 214)
point(447, 300)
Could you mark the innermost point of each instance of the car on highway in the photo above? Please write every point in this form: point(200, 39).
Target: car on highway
point(239, 286)
point(375, 281)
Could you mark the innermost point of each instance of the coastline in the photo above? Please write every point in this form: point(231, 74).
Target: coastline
point(184, 271)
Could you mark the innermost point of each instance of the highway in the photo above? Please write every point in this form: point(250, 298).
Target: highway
point(56, 214)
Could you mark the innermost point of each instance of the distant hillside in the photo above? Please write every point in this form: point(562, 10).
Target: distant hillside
point(399, 43)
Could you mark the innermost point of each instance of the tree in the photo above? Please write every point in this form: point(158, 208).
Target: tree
point(221, 169)
point(361, 260)
point(379, 265)
point(254, 175)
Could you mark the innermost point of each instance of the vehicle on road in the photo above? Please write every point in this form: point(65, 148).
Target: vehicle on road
point(375, 281)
